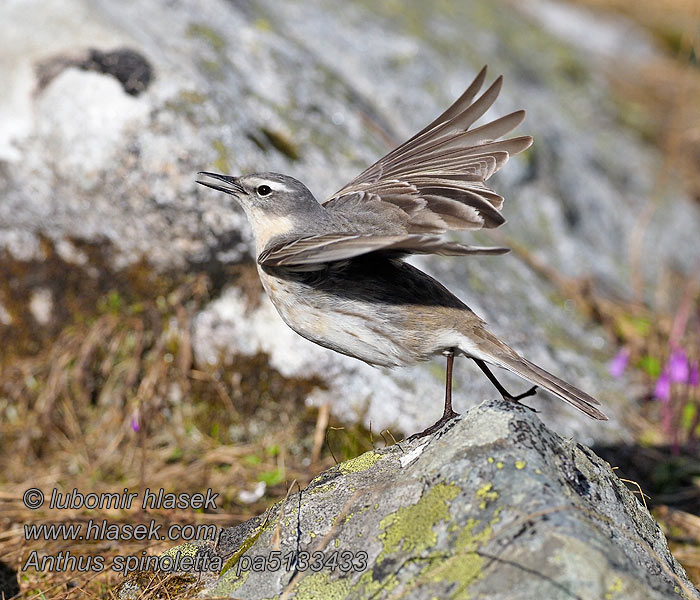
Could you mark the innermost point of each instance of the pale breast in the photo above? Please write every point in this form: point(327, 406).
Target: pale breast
point(353, 328)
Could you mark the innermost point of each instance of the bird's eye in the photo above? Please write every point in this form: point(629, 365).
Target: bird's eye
point(263, 190)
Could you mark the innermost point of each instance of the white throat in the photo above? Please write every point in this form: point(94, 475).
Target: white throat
point(266, 226)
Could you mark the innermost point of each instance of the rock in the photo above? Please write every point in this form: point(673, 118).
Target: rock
point(319, 90)
point(493, 506)
point(103, 111)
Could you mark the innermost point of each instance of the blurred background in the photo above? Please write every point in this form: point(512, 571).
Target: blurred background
point(137, 348)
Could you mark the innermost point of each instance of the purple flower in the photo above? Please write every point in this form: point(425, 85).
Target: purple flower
point(662, 389)
point(135, 420)
point(678, 367)
point(617, 366)
point(694, 376)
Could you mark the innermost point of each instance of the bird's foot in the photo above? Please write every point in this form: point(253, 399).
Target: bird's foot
point(531, 392)
point(439, 424)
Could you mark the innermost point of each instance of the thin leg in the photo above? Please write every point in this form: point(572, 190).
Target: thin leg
point(447, 414)
point(492, 378)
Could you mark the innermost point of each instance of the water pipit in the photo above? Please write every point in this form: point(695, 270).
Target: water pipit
point(335, 270)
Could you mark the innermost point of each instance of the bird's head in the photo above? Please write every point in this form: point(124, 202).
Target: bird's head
point(274, 204)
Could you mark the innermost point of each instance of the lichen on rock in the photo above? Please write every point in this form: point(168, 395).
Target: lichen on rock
point(517, 511)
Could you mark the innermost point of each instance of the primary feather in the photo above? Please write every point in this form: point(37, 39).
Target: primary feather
point(437, 177)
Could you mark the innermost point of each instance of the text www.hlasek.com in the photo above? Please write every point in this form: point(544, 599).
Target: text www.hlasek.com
point(104, 530)
point(126, 564)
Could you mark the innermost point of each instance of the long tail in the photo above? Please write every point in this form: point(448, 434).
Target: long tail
point(567, 392)
point(503, 356)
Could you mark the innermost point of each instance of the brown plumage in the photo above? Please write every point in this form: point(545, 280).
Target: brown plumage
point(438, 176)
point(335, 273)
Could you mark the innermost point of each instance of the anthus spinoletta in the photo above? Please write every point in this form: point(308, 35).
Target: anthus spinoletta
point(334, 270)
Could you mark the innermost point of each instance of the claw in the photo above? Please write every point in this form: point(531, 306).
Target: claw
point(531, 392)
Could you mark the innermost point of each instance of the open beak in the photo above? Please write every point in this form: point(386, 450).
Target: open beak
point(232, 186)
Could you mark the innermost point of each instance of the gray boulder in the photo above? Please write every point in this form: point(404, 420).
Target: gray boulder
point(493, 506)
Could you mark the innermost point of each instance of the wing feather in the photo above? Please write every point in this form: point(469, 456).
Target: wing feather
point(437, 177)
point(329, 248)
point(459, 105)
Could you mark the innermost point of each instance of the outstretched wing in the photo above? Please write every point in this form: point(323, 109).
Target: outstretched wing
point(326, 248)
point(437, 178)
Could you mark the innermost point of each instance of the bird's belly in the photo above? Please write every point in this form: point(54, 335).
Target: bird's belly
point(365, 331)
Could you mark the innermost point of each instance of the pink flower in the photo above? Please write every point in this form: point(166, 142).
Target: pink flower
point(694, 376)
point(135, 420)
point(662, 389)
point(618, 364)
point(678, 367)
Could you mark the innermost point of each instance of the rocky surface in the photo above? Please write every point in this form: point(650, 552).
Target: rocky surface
point(318, 90)
point(493, 506)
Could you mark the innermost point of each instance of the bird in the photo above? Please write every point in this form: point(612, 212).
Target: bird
point(336, 270)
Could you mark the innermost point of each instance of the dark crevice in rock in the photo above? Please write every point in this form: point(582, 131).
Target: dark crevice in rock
point(127, 66)
point(130, 68)
point(574, 477)
point(667, 478)
point(8, 581)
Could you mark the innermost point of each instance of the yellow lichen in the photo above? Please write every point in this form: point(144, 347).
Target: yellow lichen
point(361, 463)
point(322, 489)
point(319, 585)
point(464, 567)
point(613, 589)
point(244, 546)
point(229, 583)
point(410, 528)
point(185, 549)
point(486, 495)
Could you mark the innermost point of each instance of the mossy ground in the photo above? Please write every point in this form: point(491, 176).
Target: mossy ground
point(109, 395)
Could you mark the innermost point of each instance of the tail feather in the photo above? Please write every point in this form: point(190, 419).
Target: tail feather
point(567, 392)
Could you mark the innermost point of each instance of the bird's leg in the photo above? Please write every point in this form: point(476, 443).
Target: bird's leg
point(492, 378)
point(447, 414)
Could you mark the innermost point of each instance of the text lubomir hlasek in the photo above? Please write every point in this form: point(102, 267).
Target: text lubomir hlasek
point(159, 499)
